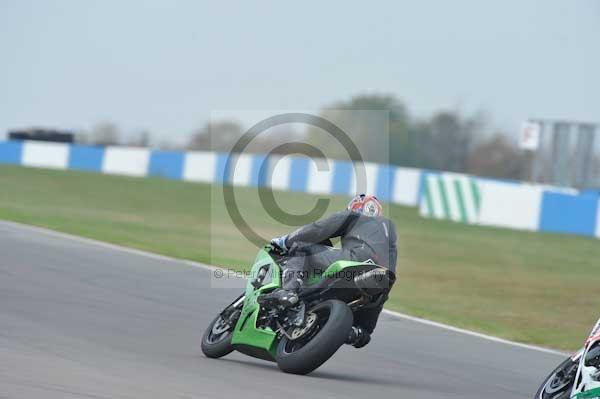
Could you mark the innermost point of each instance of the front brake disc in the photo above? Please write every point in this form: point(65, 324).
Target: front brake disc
point(220, 327)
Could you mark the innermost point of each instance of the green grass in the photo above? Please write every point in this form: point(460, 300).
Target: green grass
point(535, 288)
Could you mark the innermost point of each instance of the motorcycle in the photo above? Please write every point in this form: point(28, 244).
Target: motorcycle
point(301, 337)
point(578, 377)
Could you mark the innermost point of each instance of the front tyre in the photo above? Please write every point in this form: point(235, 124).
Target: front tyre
point(559, 383)
point(307, 353)
point(216, 341)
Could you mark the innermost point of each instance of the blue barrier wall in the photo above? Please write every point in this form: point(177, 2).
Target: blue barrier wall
point(564, 213)
point(86, 158)
point(166, 164)
point(11, 152)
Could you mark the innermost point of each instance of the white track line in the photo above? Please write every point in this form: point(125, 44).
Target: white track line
point(212, 268)
point(474, 333)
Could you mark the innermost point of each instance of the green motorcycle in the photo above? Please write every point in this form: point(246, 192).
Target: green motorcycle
point(300, 338)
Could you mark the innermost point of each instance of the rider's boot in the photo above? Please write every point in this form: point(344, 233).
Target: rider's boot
point(282, 296)
point(358, 337)
point(286, 296)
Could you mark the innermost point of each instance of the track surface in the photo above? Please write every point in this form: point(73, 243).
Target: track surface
point(79, 320)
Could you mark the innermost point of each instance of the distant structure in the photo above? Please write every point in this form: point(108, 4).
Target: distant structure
point(38, 134)
point(567, 153)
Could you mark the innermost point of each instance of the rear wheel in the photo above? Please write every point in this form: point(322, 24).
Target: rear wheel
point(558, 385)
point(331, 324)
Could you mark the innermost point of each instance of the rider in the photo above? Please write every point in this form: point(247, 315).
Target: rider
point(365, 235)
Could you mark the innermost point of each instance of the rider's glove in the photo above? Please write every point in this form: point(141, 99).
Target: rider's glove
point(279, 243)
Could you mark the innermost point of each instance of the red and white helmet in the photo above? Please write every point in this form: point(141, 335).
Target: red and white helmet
point(367, 205)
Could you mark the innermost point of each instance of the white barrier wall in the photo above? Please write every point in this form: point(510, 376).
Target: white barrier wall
point(320, 176)
point(406, 186)
point(510, 205)
point(45, 155)
point(200, 166)
point(371, 170)
point(242, 174)
point(130, 161)
point(280, 168)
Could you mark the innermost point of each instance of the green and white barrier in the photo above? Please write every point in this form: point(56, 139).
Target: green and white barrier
point(451, 196)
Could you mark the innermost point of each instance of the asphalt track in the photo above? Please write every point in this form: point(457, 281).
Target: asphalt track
point(81, 320)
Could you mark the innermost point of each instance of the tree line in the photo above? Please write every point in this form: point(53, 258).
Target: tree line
point(379, 125)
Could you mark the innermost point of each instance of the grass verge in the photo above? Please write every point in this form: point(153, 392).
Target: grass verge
point(529, 287)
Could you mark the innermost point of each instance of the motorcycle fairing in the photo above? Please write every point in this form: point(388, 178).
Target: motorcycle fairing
point(586, 385)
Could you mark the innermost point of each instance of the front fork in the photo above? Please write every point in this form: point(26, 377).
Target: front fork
point(232, 309)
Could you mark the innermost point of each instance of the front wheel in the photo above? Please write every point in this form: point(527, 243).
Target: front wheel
point(216, 341)
point(559, 383)
point(331, 329)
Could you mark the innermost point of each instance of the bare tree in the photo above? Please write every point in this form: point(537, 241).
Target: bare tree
point(82, 137)
point(446, 140)
point(376, 123)
point(215, 136)
point(105, 133)
point(498, 158)
point(142, 139)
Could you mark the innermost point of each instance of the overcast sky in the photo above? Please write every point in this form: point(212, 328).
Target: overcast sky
point(164, 66)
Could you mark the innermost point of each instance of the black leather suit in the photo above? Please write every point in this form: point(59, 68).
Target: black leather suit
point(362, 238)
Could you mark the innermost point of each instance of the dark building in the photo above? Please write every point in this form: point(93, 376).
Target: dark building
point(42, 135)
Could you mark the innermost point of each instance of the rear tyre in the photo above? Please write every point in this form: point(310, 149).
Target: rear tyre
point(559, 383)
point(307, 353)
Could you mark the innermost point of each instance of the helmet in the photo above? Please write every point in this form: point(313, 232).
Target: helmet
point(367, 205)
point(592, 359)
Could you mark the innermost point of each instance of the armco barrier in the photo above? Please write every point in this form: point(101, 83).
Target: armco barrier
point(290, 173)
